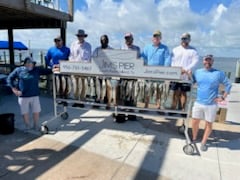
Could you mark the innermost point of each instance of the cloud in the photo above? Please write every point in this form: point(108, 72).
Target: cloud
point(215, 31)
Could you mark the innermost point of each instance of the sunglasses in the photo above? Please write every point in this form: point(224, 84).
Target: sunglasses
point(184, 39)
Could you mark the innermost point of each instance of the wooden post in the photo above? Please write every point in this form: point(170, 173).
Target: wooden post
point(63, 32)
point(70, 8)
point(11, 50)
point(222, 115)
point(42, 59)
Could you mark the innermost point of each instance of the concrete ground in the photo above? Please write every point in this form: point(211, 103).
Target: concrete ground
point(90, 145)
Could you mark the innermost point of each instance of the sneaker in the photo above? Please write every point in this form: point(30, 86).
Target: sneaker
point(194, 141)
point(26, 130)
point(203, 147)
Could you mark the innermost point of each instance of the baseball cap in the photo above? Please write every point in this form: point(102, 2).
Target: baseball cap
point(58, 38)
point(128, 35)
point(157, 33)
point(186, 35)
point(29, 60)
point(209, 56)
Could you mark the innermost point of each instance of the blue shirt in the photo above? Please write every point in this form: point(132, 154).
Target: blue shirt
point(208, 82)
point(27, 81)
point(156, 56)
point(55, 54)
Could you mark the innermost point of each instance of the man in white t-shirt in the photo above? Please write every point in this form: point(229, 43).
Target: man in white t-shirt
point(186, 57)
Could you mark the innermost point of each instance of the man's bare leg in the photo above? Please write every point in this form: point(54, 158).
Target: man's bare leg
point(175, 99)
point(183, 100)
point(26, 121)
point(195, 128)
point(207, 132)
point(35, 120)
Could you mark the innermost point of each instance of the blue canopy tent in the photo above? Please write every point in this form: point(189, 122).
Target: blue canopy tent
point(16, 45)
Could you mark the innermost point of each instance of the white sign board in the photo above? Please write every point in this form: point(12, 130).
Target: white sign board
point(120, 63)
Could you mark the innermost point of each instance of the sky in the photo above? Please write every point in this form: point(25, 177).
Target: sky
point(213, 24)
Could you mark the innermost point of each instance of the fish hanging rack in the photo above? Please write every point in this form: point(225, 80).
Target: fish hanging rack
point(117, 82)
point(124, 105)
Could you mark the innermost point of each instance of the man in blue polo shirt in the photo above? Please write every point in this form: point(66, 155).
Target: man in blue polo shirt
point(156, 54)
point(57, 53)
point(208, 81)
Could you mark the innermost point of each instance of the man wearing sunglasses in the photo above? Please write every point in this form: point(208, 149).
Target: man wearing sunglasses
point(156, 54)
point(129, 44)
point(208, 80)
point(56, 53)
point(186, 57)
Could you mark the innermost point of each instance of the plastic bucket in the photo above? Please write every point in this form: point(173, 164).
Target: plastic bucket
point(6, 123)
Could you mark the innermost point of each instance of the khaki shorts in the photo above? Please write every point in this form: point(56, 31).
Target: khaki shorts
point(29, 102)
point(205, 112)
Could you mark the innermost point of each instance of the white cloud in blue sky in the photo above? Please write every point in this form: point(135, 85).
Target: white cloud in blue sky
point(214, 26)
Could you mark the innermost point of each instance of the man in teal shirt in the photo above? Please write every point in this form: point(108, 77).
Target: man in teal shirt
point(156, 54)
point(208, 81)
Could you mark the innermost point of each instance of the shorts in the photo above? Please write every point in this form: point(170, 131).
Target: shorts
point(205, 112)
point(185, 87)
point(29, 102)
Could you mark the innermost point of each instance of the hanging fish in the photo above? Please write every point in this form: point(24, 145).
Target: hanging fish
point(124, 90)
point(147, 89)
point(64, 84)
point(103, 89)
point(98, 89)
point(74, 85)
point(154, 91)
point(69, 85)
point(166, 90)
point(159, 95)
point(92, 92)
point(114, 85)
point(109, 92)
point(136, 92)
point(57, 82)
point(121, 93)
point(141, 91)
point(129, 89)
point(79, 88)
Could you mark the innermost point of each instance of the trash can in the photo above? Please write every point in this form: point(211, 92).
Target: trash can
point(6, 123)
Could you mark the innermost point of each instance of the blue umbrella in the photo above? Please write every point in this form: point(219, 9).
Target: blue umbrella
point(16, 45)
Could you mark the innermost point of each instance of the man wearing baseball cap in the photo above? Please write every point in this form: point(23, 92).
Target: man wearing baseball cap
point(129, 44)
point(186, 57)
point(57, 53)
point(156, 54)
point(27, 90)
point(208, 80)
